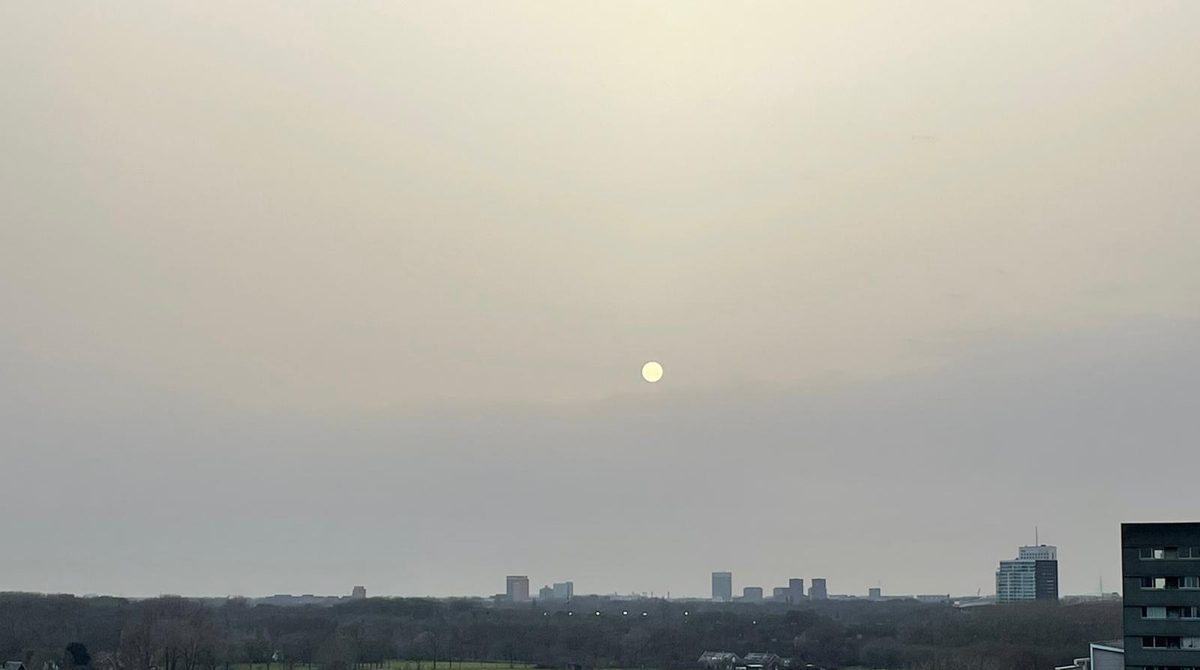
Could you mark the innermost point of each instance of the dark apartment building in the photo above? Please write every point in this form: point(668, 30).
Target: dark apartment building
point(1045, 580)
point(1160, 571)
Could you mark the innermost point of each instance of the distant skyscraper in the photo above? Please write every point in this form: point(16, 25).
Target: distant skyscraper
point(722, 586)
point(563, 590)
point(1160, 569)
point(1033, 575)
point(752, 593)
point(818, 590)
point(517, 588)
point(560, 591)
point(359, 593)
point(796, 590)
point(780, 594)
point(874, 594)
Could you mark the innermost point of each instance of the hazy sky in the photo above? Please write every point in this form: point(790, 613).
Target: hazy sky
point(301, 295)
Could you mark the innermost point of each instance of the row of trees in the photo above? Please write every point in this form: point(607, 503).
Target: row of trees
point(181, 634)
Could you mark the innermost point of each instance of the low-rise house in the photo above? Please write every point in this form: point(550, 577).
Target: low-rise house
point(1101, 656)
point(719, 660)
point(761, 661)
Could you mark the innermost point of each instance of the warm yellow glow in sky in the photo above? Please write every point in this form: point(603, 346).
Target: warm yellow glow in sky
point(652, 372)
point(416, 248)
point(272, 205)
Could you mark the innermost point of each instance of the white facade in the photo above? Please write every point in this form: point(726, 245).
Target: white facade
point(1107, 655)
point(1016, 580)
point(1042, 552)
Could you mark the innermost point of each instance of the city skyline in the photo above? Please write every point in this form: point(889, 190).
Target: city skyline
point(723, 588)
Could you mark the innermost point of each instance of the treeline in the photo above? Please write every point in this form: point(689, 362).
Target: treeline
point(179, 634)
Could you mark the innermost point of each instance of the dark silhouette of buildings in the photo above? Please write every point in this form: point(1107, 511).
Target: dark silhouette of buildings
point(1160, 574)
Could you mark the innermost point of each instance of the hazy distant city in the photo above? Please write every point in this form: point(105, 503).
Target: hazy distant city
point(1031, 576)
point(1157, 620)
point(619, 335)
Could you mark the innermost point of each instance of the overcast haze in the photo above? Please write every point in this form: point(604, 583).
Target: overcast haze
point(297, 296)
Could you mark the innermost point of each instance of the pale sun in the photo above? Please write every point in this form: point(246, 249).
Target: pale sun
point(652, 372)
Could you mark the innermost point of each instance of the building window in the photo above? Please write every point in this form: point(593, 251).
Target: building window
point(1189, 643)
point(1161, 642)
point(1170, 583)
point(1172, 612)
point(1168, 553)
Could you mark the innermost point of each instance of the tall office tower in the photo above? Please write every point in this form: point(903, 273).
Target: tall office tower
point(722, 586)
point(796, 590)
point(517, 588)
point(875, 594)
point(818, 590)
point(1033, 575)
point(359, 593)
point(780, 594)
point(1045, 577)
point(1160, 579)
point(752, 594)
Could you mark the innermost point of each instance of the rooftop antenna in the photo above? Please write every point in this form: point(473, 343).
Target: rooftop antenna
point(1035, 536)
